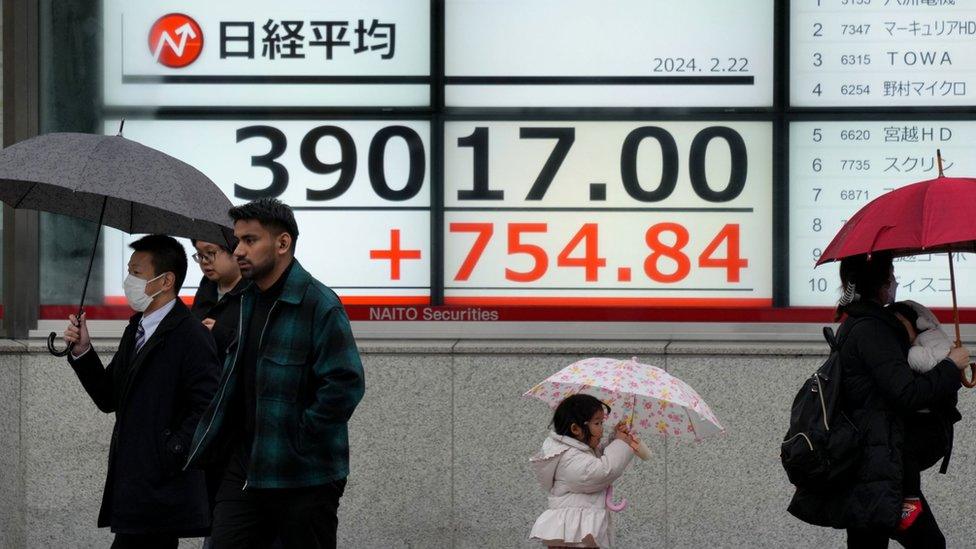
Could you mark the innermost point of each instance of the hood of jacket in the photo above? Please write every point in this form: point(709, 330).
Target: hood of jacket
point(926, 318)
point(546, 460)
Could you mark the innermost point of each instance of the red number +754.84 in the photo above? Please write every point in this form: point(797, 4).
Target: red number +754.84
point(589, 259)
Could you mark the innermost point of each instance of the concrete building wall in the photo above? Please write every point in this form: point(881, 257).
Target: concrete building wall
point(440, 447)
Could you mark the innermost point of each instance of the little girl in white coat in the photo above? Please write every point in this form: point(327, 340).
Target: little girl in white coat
point(576, 474)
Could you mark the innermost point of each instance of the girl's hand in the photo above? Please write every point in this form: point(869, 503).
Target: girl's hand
point(634, 442)
point(621, 432)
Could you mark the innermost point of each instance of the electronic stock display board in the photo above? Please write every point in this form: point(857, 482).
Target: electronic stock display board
point(553, 154)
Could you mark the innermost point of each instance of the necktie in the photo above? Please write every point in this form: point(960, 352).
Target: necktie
point(140, 337)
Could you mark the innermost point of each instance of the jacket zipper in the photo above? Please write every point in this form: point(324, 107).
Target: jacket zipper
point(223, 389)
point(266, 321)
point(257, 401)
point(805, 437)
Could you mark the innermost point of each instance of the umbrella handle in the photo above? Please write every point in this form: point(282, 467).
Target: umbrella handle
point(84, 291)
point(51, 349)
point(615, 507)
point(969, 382)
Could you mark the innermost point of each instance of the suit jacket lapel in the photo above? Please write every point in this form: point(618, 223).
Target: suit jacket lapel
point(123, 358)
point(138, 358)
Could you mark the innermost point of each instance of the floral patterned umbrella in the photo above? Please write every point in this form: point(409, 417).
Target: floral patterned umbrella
point(650, 399)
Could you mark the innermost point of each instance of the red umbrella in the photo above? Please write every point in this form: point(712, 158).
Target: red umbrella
point(934, 216)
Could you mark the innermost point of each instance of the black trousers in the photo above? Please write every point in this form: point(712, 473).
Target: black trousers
point(299, 518)
point(911, 481)
point(923, 534)
point(145, 541)
point(911, 471)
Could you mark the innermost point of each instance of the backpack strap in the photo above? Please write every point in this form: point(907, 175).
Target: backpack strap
point(945, 460)
point(842, 332)
point(836, 341)
point(948, 451)
point(828, 334)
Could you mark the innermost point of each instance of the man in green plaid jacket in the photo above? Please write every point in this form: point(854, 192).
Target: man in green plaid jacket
point(278, 422)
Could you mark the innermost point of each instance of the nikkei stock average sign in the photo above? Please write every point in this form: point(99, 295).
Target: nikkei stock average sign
point(248, 53)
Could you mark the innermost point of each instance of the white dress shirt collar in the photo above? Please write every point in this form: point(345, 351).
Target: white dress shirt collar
point(151, 321)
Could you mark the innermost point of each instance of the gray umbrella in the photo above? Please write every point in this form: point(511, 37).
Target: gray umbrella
point(113, 181)
point(144, 190)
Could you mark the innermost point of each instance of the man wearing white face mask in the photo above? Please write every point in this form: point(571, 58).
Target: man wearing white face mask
point(158, 384)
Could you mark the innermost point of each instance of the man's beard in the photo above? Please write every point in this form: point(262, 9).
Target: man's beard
point(259, 270)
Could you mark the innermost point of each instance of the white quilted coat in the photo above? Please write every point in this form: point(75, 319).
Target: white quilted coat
point(576, 477)
point(932, 345)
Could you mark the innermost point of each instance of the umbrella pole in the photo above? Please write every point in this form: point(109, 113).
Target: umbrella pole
point(971, 381)
point(81, 307)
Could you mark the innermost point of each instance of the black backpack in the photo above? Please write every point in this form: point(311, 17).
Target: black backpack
point(822, 446)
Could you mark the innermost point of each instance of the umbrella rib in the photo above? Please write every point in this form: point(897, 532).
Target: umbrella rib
point(925, 220)
point(691, 422)
point(24, 196)
point(88, 162)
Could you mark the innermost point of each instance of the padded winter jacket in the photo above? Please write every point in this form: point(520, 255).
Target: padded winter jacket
point(879, 391)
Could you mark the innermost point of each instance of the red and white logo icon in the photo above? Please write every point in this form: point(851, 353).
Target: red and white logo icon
point(175, 40)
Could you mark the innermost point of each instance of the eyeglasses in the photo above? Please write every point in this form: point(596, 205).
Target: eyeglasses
point(205, 257)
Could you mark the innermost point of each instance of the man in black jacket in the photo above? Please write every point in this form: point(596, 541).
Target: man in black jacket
point(218, 300)
point(158, 384)
point(285, 398)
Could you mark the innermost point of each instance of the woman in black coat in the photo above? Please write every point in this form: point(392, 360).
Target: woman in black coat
point(219, 311)
point(879, 392)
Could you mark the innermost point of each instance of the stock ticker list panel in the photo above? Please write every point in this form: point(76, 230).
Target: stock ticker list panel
point(836, 167)
point(885, 56)
point(626, 53)
point(360, 190)
point(882, 53)
point(608, 213)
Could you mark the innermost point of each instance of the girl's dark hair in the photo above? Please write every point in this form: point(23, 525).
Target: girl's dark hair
point(576, 409)
point(868, 275)
point(905, 310)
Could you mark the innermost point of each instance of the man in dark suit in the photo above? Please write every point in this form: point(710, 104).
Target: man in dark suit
point(158, 384)
point(218, 300)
